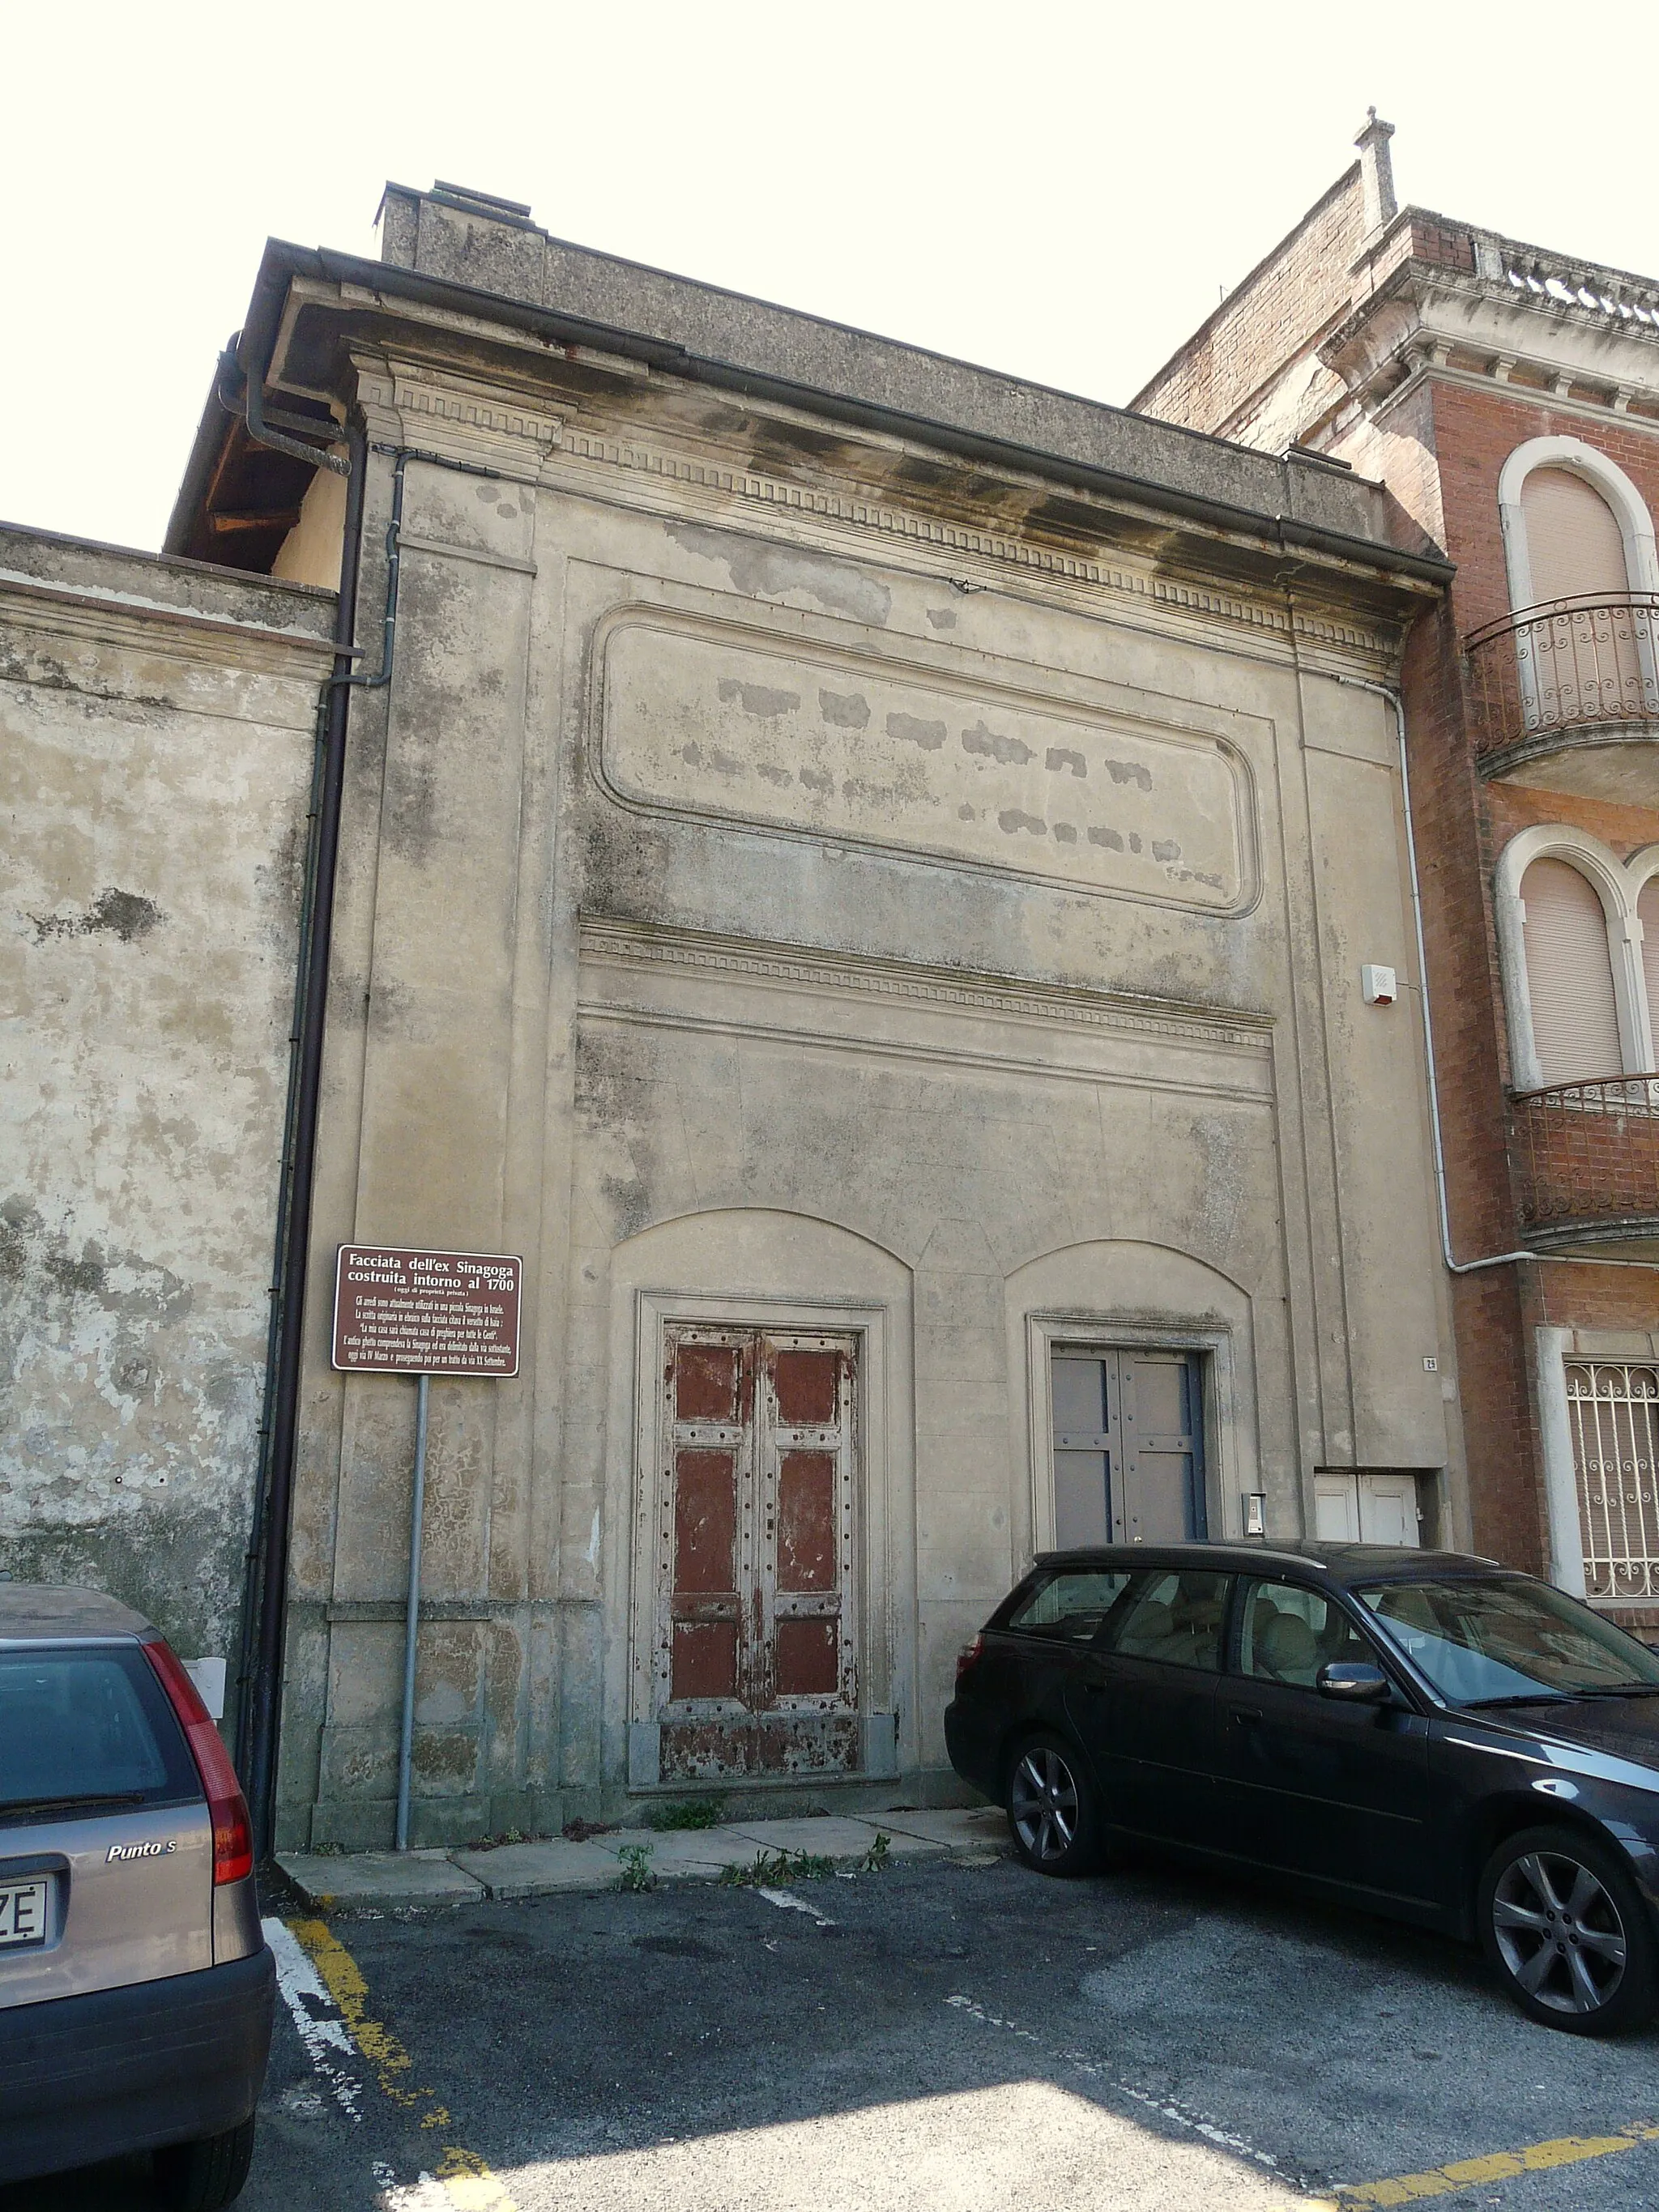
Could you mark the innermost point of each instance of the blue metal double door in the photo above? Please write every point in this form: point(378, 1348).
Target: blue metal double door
point(1128, 1445)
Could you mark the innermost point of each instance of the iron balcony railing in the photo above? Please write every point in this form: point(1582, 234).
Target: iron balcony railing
point(1588, 1153)
point(1566, 673)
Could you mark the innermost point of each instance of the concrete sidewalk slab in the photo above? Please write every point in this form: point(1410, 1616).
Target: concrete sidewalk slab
point(539, 1869)
point(379, 1878)
point(389, 1879)
point(689, 1854)
point(974, 1827)
point(828, 1837)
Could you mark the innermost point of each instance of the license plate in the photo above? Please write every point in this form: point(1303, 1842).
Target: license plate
point(22, 1912)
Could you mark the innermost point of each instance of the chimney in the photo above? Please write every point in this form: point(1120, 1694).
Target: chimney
point(1377, 172)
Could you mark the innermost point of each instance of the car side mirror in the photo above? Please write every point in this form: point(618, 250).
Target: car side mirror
point(1355, 1684)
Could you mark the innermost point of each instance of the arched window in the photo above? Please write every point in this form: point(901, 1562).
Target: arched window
point(1575, 1014)
point(1575, 547)
point(1578, 545)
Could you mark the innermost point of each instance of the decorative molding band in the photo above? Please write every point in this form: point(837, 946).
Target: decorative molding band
point(471, 420)
point(815, 503)
point(605, 942)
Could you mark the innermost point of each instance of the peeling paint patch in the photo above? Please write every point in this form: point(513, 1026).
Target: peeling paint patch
point(844, 710)
point(1165, 849)
point(1063, 756)
point(942, 617)
point(1065, 833)
point(114, 913)
point(1130, 772)
point(930, 736)
point(993, 746)
point(757, 698)
point(1109, 838)
point(774, 571)
point(1013, 818)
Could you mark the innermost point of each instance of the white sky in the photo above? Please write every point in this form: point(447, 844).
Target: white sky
point(1060, 190)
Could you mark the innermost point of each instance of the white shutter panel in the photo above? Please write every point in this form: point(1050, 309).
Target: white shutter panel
point(1574, 546)
point(1575, 1017)
point(1647, 910)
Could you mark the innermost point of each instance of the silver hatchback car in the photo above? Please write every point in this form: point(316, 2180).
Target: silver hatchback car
point(135, 1987)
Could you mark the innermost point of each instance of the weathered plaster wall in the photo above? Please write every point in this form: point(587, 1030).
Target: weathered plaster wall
point(708, 929)
point(157, 727)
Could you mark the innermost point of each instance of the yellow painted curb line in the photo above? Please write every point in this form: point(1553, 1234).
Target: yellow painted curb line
point(465, 2178)
point(1497, 2166)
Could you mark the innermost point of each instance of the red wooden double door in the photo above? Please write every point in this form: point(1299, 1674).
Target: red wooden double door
point(757, 1657)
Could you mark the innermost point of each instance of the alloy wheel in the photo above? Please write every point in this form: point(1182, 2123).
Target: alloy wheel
point(1558, 1932)
point(1044, 1805)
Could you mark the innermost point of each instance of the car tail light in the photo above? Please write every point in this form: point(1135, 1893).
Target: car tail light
point(968, 1658)
point(232, 1834)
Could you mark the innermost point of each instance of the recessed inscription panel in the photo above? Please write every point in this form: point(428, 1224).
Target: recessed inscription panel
point(719, 721)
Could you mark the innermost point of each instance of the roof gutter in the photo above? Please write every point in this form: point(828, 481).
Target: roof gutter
point(390, 281)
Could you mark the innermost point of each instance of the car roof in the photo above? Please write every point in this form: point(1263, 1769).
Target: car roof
point(1344, 1563)
point(39, 1612)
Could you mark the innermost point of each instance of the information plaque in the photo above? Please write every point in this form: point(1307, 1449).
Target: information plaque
point(397, 1312)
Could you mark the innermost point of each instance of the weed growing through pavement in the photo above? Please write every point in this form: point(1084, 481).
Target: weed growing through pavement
point(689, 1813)
point(637, 1871)
point(771, 1867)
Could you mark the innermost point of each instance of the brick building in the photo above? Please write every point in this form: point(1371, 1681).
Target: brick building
point(1508, 399)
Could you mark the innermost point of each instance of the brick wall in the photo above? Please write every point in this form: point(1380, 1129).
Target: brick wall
point(1463, 825)
point(1303, 285)
point(1476, 432)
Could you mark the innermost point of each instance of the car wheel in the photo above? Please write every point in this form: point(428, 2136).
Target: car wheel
point(1567, 1928)
point(1051, 1808)
point(201, 2176)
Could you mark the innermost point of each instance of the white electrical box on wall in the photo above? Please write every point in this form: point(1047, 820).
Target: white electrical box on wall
point(1255, 1513)
point(1377, 985)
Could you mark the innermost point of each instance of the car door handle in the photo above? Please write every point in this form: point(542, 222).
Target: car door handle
point(1245, 1716)
point(1094, 1689)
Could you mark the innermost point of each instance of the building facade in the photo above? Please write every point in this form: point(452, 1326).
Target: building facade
point(858, 872)
point(1508, 398)
point(157, 739)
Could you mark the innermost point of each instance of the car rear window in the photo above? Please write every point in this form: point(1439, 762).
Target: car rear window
point(1070, 1605)
point(82, 1729)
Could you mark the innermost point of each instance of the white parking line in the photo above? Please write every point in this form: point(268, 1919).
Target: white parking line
point(1169, 2108)
point(786, 1901)
point(316, 2017)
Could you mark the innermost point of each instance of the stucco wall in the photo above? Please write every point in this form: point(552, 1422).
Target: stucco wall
point(157, 727)
point(709, 930)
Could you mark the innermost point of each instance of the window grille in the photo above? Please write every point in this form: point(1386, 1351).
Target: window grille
point(1614, 1412)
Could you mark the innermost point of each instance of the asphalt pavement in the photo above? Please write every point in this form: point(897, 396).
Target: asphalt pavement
point(929, 2034)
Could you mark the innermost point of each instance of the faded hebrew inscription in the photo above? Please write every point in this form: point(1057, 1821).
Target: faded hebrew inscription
point(425, 1313)
point(715, 722)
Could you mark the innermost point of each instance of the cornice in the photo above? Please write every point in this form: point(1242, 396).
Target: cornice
point(606, 942)
point(990, 558)
point(144, 625)
point(1382, 366)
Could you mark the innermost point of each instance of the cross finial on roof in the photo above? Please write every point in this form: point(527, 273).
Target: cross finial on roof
point(1376, 172)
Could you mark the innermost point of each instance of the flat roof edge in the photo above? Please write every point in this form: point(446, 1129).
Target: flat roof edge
point(284, 260)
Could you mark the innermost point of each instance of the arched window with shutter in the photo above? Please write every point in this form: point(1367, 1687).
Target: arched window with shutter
point(1583, 573)
point(1575, 1015)
point(1575, 546)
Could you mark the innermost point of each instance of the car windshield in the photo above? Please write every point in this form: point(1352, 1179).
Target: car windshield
point(1505, 1639)
point(85, 1727)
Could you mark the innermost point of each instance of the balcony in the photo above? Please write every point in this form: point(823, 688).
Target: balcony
point(1566, 696)
point(1587, 1158)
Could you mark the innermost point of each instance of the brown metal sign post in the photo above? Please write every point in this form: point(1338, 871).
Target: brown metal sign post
point(401, 1312)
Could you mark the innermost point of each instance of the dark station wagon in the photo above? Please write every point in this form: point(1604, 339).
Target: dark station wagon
point(1419, 1734)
